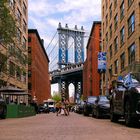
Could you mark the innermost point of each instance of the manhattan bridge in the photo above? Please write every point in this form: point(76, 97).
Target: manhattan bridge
point(66, 59)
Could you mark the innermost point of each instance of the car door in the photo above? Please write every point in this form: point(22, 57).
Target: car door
point(118, 99)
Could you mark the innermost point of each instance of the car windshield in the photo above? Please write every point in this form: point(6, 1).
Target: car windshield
point(135, 78)
point(91, 99)
point(104, 99)
point(51, 103)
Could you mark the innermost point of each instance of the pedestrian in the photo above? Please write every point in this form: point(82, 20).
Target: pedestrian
point(67, 104)
point(64, 107)
point(58, 108)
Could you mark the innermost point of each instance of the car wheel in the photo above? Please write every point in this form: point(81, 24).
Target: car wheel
point(93, 114)
point(129, 120)
point(113, 116)
point(85, 112)
point(97, 113)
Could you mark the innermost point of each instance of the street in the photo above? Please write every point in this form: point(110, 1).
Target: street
point(72, 127)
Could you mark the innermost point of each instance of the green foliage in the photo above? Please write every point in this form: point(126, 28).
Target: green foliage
point(3, 60)
point(56, 97)
point(7, 24)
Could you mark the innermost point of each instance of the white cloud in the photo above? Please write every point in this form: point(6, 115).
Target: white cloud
point(44, 15)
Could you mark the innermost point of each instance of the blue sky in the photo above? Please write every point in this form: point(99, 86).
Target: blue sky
point(45, 15)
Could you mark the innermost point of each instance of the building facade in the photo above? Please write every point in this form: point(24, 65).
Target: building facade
point(38, 70)
point(120, 38)
point(14, 55)
point(91, 76)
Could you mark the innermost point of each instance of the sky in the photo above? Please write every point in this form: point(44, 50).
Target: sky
point(45, 15)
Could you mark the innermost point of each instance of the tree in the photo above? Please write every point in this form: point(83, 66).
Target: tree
point(8, 33)
point(56, 97)
point(7, 24)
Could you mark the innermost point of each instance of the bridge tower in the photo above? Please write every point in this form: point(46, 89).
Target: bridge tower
point(64, 34)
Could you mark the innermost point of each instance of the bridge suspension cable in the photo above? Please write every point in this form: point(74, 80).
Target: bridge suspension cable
point(53, 48)
point(52, 39)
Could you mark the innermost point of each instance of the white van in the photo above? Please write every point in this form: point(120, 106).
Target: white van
point(51, 104)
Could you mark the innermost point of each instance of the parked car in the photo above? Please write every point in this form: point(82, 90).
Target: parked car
point(80, 107)
point(42, 108)
point(101, 107)
point(125, 100)
point(88, 105)
point(3, 109)
point(51, 105)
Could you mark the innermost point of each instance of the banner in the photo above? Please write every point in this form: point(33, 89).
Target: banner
point(101, 61)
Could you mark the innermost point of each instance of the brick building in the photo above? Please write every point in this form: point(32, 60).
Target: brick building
point(14, 55)
point(91, 77)
point(120, 38)
point(38, 71)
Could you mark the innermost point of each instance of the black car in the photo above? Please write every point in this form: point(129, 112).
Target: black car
point(101, 107)
point(3, 109)
point(125, 100)
point(42, 108)
point(88, 105)
point(80, 107)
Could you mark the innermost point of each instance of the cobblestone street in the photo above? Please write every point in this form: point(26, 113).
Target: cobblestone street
point(73, 127)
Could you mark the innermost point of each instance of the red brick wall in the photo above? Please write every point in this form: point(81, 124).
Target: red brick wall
point(40, 70)
point(91, 77)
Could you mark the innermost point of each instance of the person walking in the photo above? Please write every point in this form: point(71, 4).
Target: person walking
point(58, 107)
point(67, 104)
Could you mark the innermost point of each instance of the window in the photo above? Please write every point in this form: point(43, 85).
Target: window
point(110, 11)
point(24, 26)
point(130, 2)
point(122, 57)
point(116, 66)
point(3, 63)
point(110, 51)
point(19, 1)
point(29, 49)
point(116, 22)
point(24, 8)
point(116, 44)
point(106, 4)
point(29, 39)
point(24, 42)
point(122, 11)
point(131, 53)
point(11, 68)
point(30, 86)
point(18, 35)
point(103, 11)
point(131, 24)
point(103, 28)
point(18, 16)
point(12, 49)
point(122, 38)
point(115, 4)
point(100, 46)
point(29, 73)
point(12, 4)
point(106, 20)
point(18, 72)
point(24, 76)
point(110, 71)
point(110, 31)
point(106, 37)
